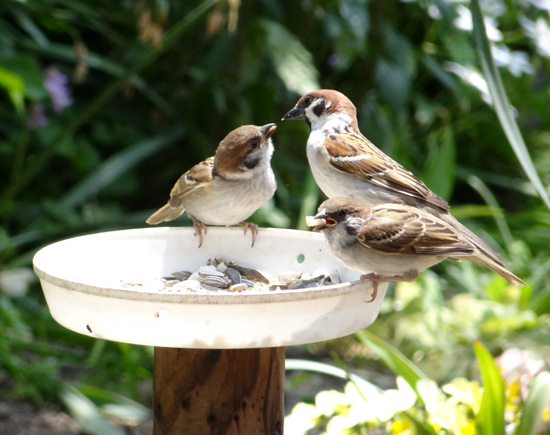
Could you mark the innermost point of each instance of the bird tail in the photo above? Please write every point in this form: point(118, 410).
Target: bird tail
point(473, 239)
point(481, 258)
point(164, 214)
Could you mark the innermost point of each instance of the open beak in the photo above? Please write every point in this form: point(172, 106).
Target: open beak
point(268, 129)
point(320, 222)
point(295, 113)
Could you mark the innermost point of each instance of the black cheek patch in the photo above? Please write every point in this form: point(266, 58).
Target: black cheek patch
point(319, 108)
point(252, 163)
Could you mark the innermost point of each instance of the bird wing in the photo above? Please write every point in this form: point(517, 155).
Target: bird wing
point(398, 229)
point(354, 154)
point(195, 178)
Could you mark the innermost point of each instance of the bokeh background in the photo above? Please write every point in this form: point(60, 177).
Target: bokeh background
point(104, 104)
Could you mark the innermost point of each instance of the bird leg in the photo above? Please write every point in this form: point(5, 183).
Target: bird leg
point(199, 228)
point(253, 230)
point(377, 279)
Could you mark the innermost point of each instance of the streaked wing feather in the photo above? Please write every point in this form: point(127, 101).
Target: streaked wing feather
point(356, 155)
point(195, 178)
point(399, 230)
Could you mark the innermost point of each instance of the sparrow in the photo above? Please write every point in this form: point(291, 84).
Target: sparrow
point(345, 163)
point(229, 187)
point(394, 242)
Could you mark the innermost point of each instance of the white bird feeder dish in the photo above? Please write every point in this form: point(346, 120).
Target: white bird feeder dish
point(85, 284)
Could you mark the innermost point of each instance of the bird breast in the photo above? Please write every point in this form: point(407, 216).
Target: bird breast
point(230, 202)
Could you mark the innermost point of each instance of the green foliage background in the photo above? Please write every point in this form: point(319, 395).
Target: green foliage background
point(157, 84)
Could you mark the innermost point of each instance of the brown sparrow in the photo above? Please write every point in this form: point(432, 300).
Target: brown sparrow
point(394, 242)
point(345, 163)
point(227, 188)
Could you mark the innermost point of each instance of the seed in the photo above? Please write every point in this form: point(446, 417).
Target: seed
point(206, 271)
point(233, 275)
point(248, 282)
point(216, 281)
point(182, 276)
point(238, 287)
point(287, 277)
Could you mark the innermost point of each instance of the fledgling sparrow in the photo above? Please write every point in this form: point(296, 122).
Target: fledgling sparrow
point(394, 242)
point(229, 187)
point(345, 163)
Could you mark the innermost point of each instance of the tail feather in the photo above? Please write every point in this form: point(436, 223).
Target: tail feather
point(164, 214)
point(472, 238)
point(481, 258)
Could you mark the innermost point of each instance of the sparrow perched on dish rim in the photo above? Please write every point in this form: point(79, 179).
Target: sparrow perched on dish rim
point(229, 187)
point(345, 163)
point(394, 242)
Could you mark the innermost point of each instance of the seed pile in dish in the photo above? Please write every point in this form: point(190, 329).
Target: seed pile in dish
point(220, 275)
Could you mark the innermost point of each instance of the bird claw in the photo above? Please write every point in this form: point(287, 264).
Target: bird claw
point(199, 228)
point(377, 279)
point(253, 230)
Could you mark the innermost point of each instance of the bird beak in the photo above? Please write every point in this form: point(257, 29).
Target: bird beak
point(268, 129)
point(295, 113)
point(320, 221)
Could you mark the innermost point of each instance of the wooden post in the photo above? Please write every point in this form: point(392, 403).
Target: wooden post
point(219, 392)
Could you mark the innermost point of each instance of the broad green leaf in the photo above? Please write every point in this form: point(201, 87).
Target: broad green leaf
point(294, 64)
point(537, 400)
point(114, 167)
point(490, 419)
point(500, 100)
point(395, 360)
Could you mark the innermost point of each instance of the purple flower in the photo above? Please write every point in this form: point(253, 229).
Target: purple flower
point(36, 117)
point(56, 85)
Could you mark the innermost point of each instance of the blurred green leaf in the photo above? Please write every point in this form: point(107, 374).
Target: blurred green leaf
point(326, 369)
point(116, 166)
point(490, 199)
point(86, 413)
point(15, 87)
point(395, 360)
point(490, 418)
point(394, 84)
point(294, 64)
point(27, 69)
point(502, 106)
point(310, 201)
point(439, 171)
point(537, 400)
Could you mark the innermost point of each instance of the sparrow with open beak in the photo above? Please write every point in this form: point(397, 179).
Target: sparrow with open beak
point(228, 188)
point(394, 242)
point(345, 163)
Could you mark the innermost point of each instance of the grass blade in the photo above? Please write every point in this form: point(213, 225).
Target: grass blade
point(490, 419)
point(326, 369)
point(500, 101)
point(395, 360)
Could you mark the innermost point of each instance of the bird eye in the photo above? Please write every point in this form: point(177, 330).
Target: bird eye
point(308, 100)
point(254, 144)
point(342, 214)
